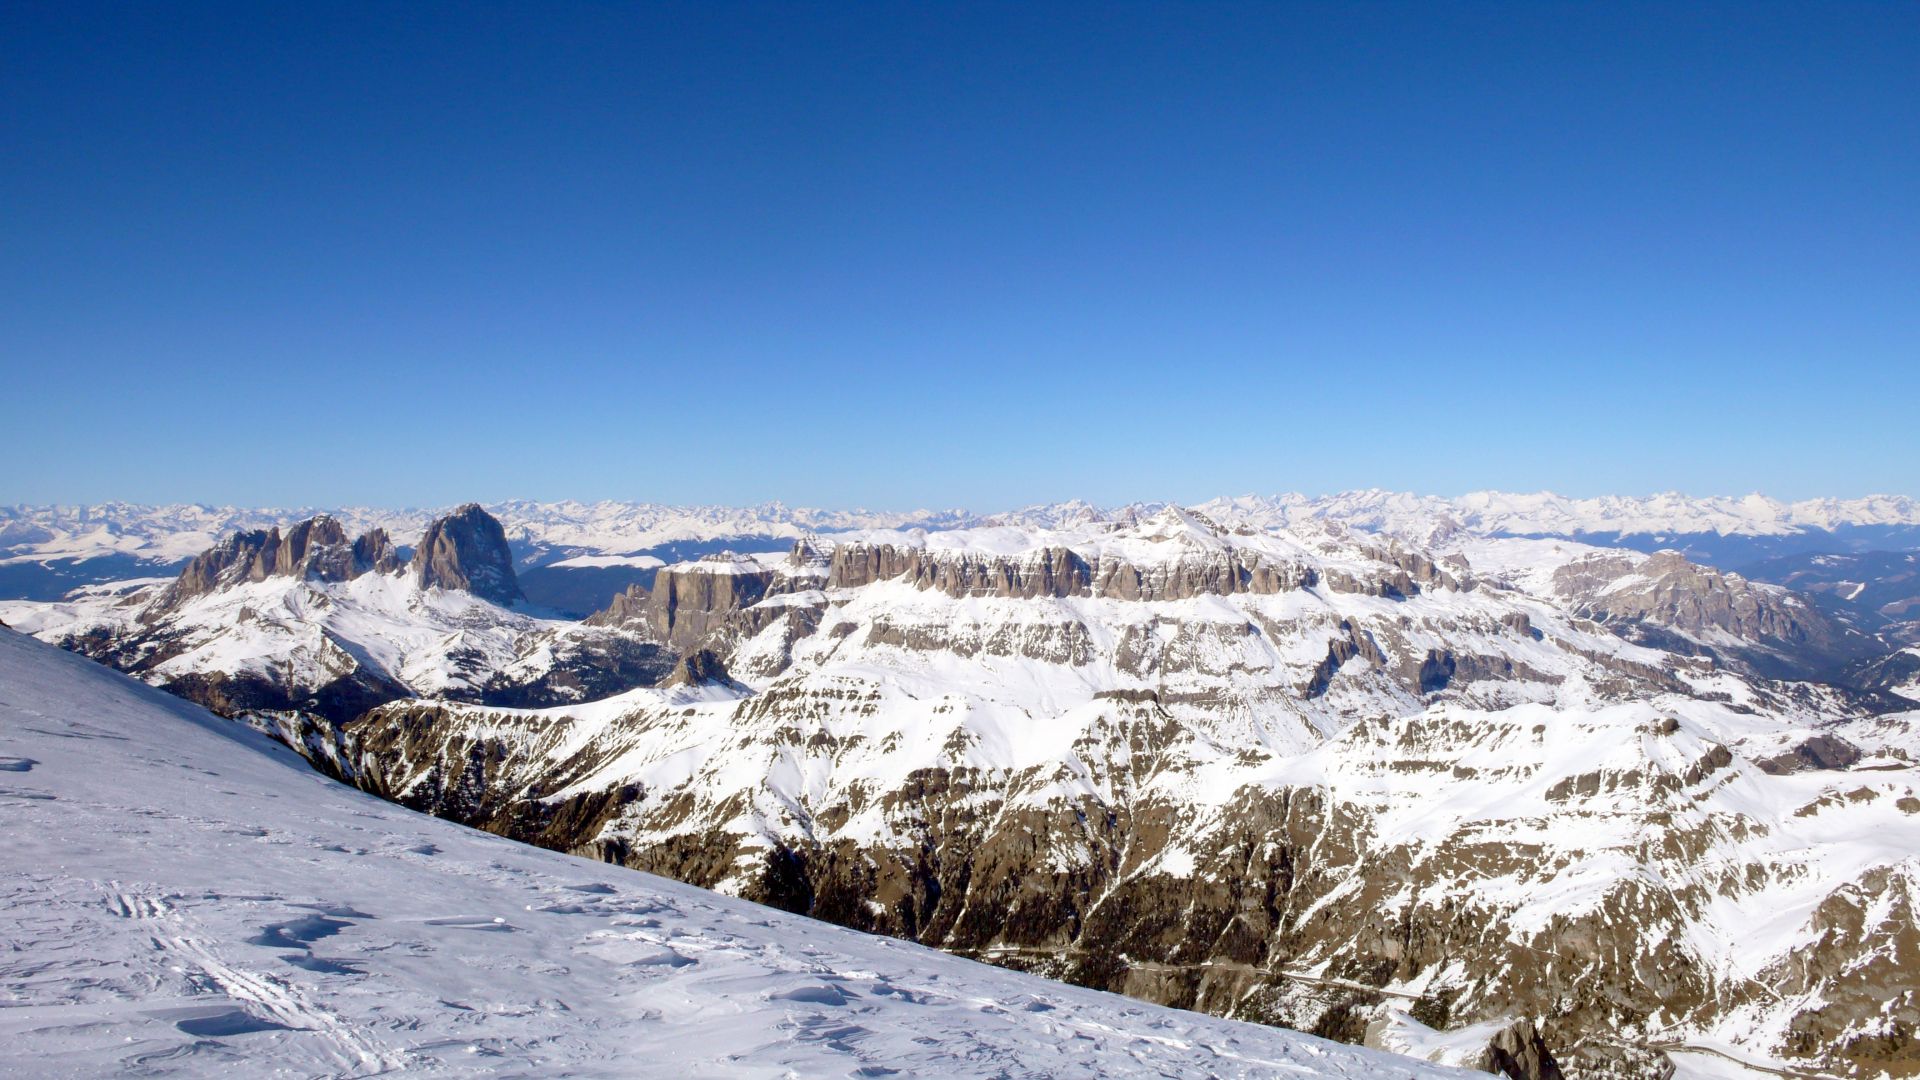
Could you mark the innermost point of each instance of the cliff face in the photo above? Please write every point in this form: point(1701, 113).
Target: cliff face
point(374, 553)
point(306, 621)
point(467, 551)
point(315, 549)
point(627, 609)
point(1061, 572)
point(1675, 604)
point(691, 601)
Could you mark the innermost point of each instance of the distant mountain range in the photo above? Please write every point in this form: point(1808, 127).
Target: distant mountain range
point(46, 550)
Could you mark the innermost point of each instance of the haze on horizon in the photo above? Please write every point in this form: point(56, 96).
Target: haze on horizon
point(912, 256)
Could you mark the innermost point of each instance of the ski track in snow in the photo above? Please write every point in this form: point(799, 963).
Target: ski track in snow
point(184, 897)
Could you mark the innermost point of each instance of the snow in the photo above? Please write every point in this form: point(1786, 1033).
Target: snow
point(642, 562)
point(1464, 1047)
point(1493, 513)
point(729, 563)
point(430, 640)
point(1023, 689)
point(186, 898)
point(617, 530)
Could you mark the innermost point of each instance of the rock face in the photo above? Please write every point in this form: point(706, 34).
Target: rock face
point(304, 621)
point(312, 550)
point(467, 550)
point(693, 600)
point(315, 549)
point(628, 609)
point(1519, 1052)
point(374, 553)
point(1666, 601)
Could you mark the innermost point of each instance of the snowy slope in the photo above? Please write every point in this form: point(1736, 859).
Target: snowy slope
point(185, 898)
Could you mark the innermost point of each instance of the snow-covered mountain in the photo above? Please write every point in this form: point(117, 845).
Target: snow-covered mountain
point(1413, 786)
point(186, 898)
point(310, 620)
point(1290, 775)
point(45, 550)
point(1496, 513)
point(173, 534)
point(1731, 533)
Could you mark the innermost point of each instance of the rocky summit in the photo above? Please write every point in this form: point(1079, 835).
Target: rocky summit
point(1522, 804)
point(467, 550)
point(305, 622)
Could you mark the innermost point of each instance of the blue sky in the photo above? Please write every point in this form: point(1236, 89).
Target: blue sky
point(980, 255)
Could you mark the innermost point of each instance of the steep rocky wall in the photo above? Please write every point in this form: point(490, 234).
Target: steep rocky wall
point(1060, 572)
point(467, 550)
point(689, 603)
point(316, 549)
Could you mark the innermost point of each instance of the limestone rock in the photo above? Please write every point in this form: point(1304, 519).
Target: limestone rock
point(629, 609)
point(467, 551)
point(374, 553)
point(1519, 1052)
point(1667, 602)
point(315, 549)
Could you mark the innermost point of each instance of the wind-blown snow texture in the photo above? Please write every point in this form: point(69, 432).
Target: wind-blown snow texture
point(183, 897)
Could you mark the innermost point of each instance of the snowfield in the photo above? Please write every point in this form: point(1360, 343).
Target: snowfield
point(185, 897)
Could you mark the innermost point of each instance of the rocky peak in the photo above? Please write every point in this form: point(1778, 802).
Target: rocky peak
point(1188, 527)
point(467, 551)
point(692, 600)
point(374, 553)
point(315, 550)
point(810, 551)
point(628, 609)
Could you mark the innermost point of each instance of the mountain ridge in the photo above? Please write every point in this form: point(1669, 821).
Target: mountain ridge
point(1036, 742)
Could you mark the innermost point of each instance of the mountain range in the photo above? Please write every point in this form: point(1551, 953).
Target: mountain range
point(1419, 774)
point(185, 898)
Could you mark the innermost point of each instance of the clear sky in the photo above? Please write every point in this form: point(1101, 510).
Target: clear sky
point(975, 255)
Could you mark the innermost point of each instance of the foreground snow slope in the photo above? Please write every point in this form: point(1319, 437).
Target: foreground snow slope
point(182, 896)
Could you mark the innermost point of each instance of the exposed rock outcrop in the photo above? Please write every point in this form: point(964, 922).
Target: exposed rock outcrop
point(467, 551)
point(374, 553)
point(1670, 603)
point(315, 550)
point(1061, 572)
point(693, 600)
point(1519, 1052)
point(628, 610)
point(1819, 752)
